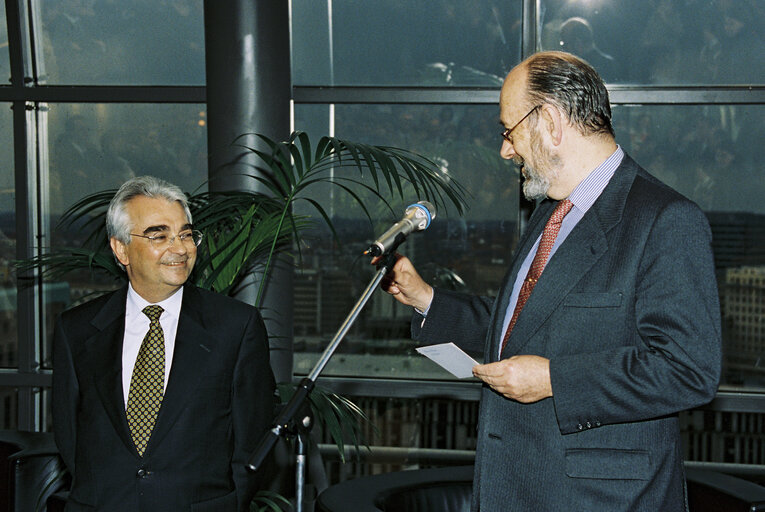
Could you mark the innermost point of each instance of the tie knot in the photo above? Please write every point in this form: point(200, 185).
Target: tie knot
point(560, 211)
point(153, 312)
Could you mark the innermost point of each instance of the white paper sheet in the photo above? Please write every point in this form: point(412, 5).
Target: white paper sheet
point(451, 358)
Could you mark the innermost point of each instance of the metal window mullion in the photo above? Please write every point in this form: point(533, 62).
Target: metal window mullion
point(28, 297)
point(27, 313)
point(529, 12)
point(619, 94)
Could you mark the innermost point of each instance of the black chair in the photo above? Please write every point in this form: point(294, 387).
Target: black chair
point(449, 490)
point(424, 490)
point(710, 491)
point(33, 470)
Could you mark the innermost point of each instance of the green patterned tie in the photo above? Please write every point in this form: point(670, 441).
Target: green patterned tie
point(147, 382)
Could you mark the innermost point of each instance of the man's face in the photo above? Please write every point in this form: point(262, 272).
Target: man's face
point(156, 272)
point(539, 164)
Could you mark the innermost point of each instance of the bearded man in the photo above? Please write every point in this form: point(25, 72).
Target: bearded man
point(606, 325)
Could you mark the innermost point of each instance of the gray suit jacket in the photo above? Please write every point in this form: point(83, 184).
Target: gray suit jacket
point(217, 404)
point(627, 312)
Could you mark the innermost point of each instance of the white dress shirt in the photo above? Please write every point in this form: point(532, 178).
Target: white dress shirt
point(136, 327)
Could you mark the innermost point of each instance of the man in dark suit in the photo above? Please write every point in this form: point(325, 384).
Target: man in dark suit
point(161, 390)
point(606, 325)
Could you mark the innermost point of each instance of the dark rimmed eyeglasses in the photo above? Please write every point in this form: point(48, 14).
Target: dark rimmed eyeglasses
point(163, 240)
point(508, 133)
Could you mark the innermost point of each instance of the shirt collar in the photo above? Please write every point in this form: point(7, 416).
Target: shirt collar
point(585, 194)
point(136, 303)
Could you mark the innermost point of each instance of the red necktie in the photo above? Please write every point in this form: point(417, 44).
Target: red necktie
point(540, 260)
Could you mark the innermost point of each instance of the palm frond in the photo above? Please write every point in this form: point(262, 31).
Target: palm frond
point(58, 263)
point(342, 419)
point(268, 501)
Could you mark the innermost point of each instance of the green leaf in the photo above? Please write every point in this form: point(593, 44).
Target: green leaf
point(268, 501)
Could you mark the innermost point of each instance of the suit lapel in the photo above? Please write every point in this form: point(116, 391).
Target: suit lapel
point(193, 346)
point(104, 355)
point(583, 247)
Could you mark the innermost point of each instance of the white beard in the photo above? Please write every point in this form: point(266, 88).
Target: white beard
point(537, 183)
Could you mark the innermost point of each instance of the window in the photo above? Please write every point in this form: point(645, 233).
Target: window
point(139, 42)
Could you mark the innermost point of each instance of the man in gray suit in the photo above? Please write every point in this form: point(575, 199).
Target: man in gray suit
point(607, 322)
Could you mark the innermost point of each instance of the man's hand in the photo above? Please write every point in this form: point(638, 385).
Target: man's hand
point(406, 285)
point(525, 379)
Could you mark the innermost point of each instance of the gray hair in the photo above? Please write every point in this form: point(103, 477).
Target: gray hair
point(117, 219)
point(574, 86)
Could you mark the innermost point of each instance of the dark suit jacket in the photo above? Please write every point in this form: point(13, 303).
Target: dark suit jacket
point(627, 312)
point(218, 402)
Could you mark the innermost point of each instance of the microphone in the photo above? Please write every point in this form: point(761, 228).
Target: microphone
point(416, 217)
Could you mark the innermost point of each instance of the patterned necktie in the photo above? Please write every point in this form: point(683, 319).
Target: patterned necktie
point(147, 382)
point(540, 260)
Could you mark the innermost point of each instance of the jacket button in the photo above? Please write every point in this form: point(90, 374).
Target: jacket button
point(580, 427)
point(141, 473)
point(589, 425)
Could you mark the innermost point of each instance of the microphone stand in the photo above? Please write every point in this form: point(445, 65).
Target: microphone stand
point(285, 424)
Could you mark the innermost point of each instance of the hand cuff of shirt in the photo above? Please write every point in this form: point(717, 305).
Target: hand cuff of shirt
point(425, 312)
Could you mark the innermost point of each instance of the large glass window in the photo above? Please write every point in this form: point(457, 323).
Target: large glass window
point(94, 147)
point(660, 41)
point(5, 68)
point(438, 43)
point(140, 42)
point(8, 309)
point(9, 405)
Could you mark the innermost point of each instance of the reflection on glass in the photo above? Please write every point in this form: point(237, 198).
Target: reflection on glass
point(660, 41)
point(438, 43)
point(467, 253)
point(9, 406)
point(141, 42)
point(8, 311)
point(705, 152)
point(5, 67)
point(95, 147)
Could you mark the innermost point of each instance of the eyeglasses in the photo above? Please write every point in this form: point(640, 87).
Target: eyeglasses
point(163, 240)
point(508, 133)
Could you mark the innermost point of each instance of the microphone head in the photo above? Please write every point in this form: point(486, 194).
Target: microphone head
point(429, 206)
point(420, 214)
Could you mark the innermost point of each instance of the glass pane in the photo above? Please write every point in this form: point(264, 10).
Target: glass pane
point(448, 424)
point(9, 406)
point(94, 147)
point(469, 252)
point(5, 66)
point(373, 42)
point(432, 423)
point(661, 41)
point(139, 42)
point(707, 153)
point(723, 436)
point(8, 316)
